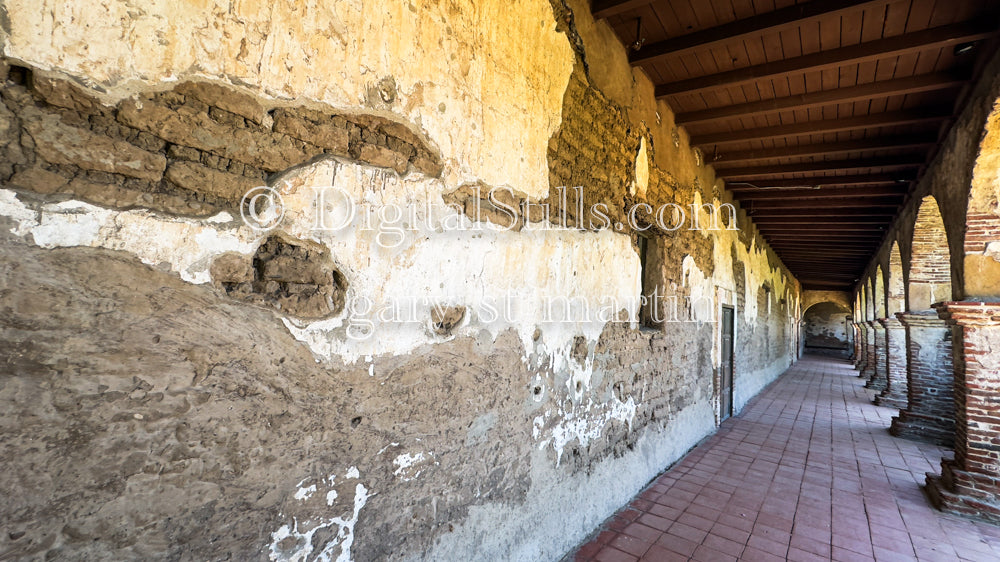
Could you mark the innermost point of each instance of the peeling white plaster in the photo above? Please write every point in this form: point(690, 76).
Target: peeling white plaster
point(304, 493)
point(186, 245)
point(406, 463)
point(301, 548)
point(580, 423)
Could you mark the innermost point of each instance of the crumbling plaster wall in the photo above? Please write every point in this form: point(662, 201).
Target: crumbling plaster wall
point(201, 386)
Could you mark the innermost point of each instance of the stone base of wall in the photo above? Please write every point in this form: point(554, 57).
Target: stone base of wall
point(922, 428)
point(964, 493)
point(890, 400)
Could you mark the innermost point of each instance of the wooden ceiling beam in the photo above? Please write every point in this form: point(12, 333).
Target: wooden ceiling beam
point(870, 51)
point(904, 161)
point(826, 148)
point(766, 229)
point(607, 8)
point(839, 250)
point(900, 178)
point(806, 277)
point(874, 90)
point(770, 22)
point(827, 237)
point(859, 240)
point(845, 194)
point(867, 122)
point(837, 207)
point(819, 220)
point(886, 213)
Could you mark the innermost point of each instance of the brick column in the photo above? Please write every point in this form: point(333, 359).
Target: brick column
point(894, 395)
point(868, 369)
point(857, 345)
point(930, 379)
point(970, 484)
point(878, 379)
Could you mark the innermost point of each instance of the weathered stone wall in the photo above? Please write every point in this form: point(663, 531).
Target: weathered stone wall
point(438, 384)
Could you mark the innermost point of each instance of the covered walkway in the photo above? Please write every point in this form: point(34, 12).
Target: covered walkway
point(808, 471)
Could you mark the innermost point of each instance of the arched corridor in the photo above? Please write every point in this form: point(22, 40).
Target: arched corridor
point(450, 280)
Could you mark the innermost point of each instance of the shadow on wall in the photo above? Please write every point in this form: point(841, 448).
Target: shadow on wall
point(824, 329)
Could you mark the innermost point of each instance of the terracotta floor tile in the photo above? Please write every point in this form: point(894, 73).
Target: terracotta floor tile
point(806, 471)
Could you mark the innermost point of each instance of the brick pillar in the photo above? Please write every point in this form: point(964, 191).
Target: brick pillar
point(930, 404)
point(894, 396)
point(868, 368)
point(857, 345)
point(970, 484)
point(878, 379)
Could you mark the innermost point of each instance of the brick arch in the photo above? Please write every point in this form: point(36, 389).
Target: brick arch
point(812, 297)
point(879, 283)
point(896, 285)
point(930, 260)
point(982, 229)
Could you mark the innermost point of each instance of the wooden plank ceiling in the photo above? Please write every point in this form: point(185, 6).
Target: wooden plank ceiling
point(820, 115)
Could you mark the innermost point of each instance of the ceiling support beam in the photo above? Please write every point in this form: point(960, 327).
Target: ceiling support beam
point(874, 90)
point(792, 185)
point(917, 41)
point(886, 213)
point(770, 22)
point(905, 161)
point(885, 119)
point(608, 8)
point(844, 194)
point(819, 149)
point(766, 229)
point(765, 208)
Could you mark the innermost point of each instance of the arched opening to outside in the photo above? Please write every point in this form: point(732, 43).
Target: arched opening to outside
point(879, 293)
point(930, 261)
point(982, 241)
point(825, 329)
point(897, 287)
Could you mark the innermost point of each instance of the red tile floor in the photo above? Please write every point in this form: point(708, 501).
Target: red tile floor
point(807, 471)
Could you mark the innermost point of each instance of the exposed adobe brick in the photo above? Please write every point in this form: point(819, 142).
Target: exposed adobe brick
point(970, 484)
point(878, 377)
point(896, 389)
point(930, 406)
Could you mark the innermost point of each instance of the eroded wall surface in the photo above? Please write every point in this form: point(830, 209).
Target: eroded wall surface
point(404, 366)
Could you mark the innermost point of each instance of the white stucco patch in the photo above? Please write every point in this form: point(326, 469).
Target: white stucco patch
point(187, 246)
point(580, 423)
point(293, 542)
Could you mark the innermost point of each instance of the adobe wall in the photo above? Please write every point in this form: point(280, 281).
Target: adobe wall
point(422, 385)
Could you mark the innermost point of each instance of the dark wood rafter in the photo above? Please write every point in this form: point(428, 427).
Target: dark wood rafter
point(885, 162)
point(608, 8)
point(809, 207)
point(871, 91)
point(798, 228)
point(865, 52)
point(775, 21)
point(886, 212)
point(842, 195)
point(790, 185)
point(826, 148)
point(867, 122)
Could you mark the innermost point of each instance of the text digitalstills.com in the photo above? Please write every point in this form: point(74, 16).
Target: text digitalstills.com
point(263, 209)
